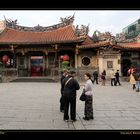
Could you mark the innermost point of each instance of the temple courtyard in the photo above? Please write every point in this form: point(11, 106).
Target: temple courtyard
point(35, 106)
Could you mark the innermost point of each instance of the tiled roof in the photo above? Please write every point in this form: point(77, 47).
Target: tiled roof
point(94, 45)
point(62, 35)
point(87, 41)
point(131, 45)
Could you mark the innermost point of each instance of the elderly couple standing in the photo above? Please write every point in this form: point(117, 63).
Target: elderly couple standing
point(69, 86)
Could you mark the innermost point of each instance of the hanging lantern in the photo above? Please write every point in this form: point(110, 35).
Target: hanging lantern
point(66, 58)
point(5, 58)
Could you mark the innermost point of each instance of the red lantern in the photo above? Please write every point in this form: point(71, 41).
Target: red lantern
point(5, 58)
point(66, 58)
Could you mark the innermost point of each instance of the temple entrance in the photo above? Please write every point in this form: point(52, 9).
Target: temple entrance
point(126, 64)
point(36, 65)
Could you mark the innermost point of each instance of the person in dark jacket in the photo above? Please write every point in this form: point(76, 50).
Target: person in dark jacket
point(95, 76)
point(65, 74)
point(137, 78)
point(103, 77)
point(117, 78)
point(70, 86)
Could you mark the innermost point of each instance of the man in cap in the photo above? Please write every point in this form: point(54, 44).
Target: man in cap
point(64, 75)
point(70, 85)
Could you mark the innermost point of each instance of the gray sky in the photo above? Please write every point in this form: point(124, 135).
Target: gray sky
point(103, 20)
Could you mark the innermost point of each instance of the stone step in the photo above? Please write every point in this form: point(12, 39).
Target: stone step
point(34, 79)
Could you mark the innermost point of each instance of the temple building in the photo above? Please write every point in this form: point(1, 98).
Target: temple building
point(129, 43)
point(37, 51)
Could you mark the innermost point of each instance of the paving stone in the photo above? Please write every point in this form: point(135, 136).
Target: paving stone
point(36, 106)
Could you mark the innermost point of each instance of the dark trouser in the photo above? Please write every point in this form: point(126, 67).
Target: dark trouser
point(112, 81)
point(61, 103)
point(95, 79)
point(117, 81)
point(137, 85)
point(88, 107)
point(72, 104)
point(134, 86)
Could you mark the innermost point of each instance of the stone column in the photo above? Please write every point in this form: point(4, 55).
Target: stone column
point(56, 61)
point(45, 62)
point(14, 55)
point(119, 64)
point(76, 57)
point(101, 64)
point(29, 64)
point(25, 61)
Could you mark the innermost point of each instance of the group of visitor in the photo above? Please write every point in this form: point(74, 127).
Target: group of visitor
point(69, 86)
point(114, 77)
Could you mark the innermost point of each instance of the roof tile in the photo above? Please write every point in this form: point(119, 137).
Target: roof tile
point(13, 36)
point(131, 45)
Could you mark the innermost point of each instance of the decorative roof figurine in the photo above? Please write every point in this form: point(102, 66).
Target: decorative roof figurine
point(67, 20)
point(82, 31)
point(107, 36)
point(64, 22)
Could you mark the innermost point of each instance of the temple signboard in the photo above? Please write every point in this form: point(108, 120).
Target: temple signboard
point(110, 56)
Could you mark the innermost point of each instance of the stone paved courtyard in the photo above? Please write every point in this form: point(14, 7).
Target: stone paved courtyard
point(35, 106)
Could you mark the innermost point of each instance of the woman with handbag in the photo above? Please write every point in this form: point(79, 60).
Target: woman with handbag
point(89, 98)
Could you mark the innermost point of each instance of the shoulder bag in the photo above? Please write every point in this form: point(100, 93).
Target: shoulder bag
point(83, 96)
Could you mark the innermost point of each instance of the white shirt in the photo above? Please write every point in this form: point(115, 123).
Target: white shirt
point(112, 75)
point(88, 87)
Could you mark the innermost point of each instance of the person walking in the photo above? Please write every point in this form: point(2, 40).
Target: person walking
point(117, 78)
point(88, 88)
point(131, 70)
point(95, 76)
point(65, 74)
point(132, 80)
point(103, 78)
point(112, 77)
point(70, 85)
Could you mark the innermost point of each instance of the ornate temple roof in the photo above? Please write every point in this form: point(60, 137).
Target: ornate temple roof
point(129, 46)
point(61, 35)
point(88, 40)
point(64, 22)
point(95, 45)
point(106, 39)
point(97, 41)
point(63, 32)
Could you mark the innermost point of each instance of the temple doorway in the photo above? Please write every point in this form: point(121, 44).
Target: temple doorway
point(126, 64)
point(36, 65)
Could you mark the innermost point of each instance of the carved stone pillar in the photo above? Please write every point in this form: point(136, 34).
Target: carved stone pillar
point(14, 55)
point(45, 62)
point(56, 60)
point(76, 57)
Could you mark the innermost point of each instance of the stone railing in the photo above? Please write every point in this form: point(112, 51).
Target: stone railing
point(53, 73)
point(8, 74)
point(81, 71)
